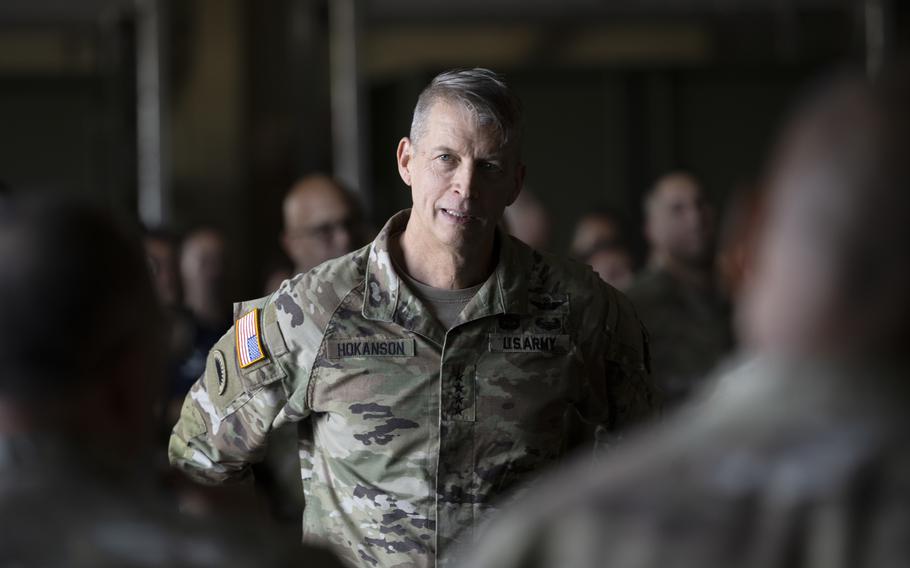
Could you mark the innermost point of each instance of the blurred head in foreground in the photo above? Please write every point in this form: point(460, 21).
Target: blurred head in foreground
point(80, 326)
point(833, 273)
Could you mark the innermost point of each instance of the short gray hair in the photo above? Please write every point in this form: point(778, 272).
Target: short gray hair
point(482, 92)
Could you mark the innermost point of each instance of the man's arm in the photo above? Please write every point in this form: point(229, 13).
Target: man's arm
point(228, 413)
point(619, 393)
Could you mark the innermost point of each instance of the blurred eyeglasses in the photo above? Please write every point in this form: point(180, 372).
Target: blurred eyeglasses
point(325, 231)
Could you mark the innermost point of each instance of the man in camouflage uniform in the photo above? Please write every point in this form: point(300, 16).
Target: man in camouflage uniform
point(432, 371)
point(687, 319)
point(800, 456)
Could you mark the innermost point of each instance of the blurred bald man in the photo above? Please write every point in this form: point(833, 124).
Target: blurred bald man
point(676, 295)
point(800, 456)
point(322, 221)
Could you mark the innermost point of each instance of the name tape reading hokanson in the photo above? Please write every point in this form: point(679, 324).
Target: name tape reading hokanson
point(249, 345)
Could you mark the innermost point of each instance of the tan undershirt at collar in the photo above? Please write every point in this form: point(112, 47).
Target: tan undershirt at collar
point(445, 305)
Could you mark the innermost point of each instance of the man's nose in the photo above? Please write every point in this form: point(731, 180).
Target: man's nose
point(464, 180)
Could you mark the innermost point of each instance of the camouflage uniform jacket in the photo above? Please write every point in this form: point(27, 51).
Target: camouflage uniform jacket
point(409, 432)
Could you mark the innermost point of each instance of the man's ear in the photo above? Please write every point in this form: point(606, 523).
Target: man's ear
point(403, 155)
point(519, 183)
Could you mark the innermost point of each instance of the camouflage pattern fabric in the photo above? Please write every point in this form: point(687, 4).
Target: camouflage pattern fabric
point(689, 332)
point(409, 433)
point(788, 464)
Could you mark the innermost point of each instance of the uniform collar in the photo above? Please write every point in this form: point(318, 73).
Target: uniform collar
point(388, 299)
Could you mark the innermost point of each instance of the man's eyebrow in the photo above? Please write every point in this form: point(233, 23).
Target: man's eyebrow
point(442, 149)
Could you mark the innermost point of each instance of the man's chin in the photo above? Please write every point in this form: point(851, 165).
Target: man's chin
point(460, 237)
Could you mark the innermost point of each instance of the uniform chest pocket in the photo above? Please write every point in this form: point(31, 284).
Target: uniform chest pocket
point(526, 377)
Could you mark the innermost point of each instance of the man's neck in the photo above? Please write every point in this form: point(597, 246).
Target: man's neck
point(442, 267)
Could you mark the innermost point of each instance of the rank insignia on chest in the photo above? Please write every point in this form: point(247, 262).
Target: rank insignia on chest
point(249, 343)
point(528, 343)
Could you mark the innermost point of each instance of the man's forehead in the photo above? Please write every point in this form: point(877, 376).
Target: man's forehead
point(314, 198)
point(452, 125)
point(680, 190)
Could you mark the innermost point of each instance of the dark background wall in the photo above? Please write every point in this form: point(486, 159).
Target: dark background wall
point(615, 94)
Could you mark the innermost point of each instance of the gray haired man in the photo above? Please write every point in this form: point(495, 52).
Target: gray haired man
point(433, 370)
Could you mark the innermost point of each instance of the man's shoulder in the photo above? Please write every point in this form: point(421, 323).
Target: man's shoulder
point(320, 290)
point(596, 304)
point(343, 272)
point(550, 271)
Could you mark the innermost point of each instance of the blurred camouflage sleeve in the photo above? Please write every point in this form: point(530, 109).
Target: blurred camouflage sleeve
point(619, 391)
point(228, 414)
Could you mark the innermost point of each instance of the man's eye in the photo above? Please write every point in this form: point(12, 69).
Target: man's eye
point(490, 167)
point(444, 157)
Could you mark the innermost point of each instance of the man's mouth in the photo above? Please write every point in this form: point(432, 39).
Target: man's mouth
point(457, 216)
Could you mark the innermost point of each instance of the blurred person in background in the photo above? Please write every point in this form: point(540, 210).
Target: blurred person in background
point(81, 374)
point(433, 372)
point(688, 321)
point(613, 262)
point(162, 256)
point(203, 259)
point(798, 456)
point(278, 269)
point(322, 221)
point(528, 220)
point(594, 227)
point(203, 276)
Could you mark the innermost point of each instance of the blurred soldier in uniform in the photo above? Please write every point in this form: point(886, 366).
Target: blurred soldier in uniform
point(432, 371)
point(688, 321)
point(82, 366)
point(800, 456)
point(206, 312)
point(162, 257)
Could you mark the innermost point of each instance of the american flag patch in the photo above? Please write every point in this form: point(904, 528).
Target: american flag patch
point(246, 332)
